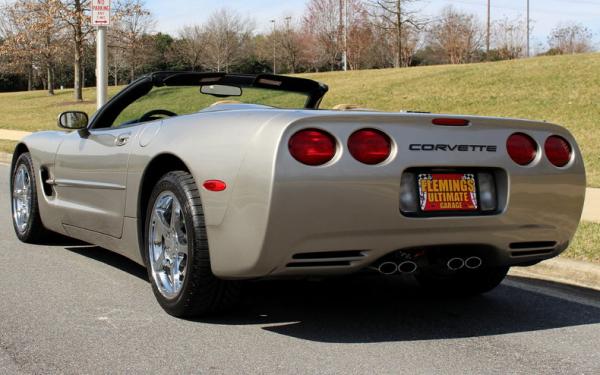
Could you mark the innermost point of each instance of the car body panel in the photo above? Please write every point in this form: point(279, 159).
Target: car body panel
point(275, 208)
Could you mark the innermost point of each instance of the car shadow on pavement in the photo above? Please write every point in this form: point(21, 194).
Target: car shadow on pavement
point(364, 308)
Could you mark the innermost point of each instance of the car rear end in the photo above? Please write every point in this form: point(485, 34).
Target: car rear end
point(353, 191)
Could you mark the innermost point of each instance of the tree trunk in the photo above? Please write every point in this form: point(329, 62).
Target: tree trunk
point(78, 53)
point(29, 77)
point(50, 80)
point(398, 62)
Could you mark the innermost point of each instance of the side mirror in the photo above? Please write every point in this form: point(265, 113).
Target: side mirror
point(73, 120)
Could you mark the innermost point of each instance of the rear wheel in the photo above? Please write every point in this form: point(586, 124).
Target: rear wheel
point(24, 203)
point(463, 282)
point(177, 254)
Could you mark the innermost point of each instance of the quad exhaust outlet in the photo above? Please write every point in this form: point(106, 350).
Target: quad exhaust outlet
point(472, 263)
point(390, 268)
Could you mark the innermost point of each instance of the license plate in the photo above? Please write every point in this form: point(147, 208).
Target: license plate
point(447, 192)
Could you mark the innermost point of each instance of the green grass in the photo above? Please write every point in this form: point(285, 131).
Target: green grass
point(559, 89)
point(586, 245)
point(7, 146)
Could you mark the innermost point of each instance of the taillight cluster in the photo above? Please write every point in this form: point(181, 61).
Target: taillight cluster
point(317, 147)
point(523, 149)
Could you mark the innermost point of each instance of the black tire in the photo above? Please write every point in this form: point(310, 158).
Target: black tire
point(464, 282)
point(34, 232)
point(201, 293)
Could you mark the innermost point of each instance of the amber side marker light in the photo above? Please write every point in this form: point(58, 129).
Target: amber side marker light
point(214, 185)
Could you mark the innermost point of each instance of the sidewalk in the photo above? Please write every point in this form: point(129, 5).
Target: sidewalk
point(12, 135)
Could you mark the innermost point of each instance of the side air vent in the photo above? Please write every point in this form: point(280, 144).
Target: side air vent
point(330, 254)
point(533, 245)
point(529, 253)
point(319, 264)
point(46, 186)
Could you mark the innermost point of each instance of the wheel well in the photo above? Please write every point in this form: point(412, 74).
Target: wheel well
point(158, 167)
point(19, 150)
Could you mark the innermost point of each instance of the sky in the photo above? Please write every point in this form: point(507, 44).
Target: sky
point(172, 15)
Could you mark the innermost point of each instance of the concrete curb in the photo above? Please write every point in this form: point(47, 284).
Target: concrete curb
point(562, 270)
point(5, 158)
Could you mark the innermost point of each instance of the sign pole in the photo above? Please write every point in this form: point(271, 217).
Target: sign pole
point(101, 67)
point(101, 19)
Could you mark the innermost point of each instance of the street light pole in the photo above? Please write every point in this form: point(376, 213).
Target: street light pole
point(273, 37)
point(528, 54)
point(487, 41)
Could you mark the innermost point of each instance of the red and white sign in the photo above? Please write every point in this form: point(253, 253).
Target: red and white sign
point(100, 12)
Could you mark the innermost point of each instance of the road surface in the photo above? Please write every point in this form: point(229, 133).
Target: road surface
point(71, 308)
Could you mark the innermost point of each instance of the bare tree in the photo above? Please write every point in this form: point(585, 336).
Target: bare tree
point(190, 46)
point(132, 24)
point(457, 34)
point(322, 20)
point(76, 15)
point(570, 38)
point(226, 32)
point(510, 38)
point(403, 22)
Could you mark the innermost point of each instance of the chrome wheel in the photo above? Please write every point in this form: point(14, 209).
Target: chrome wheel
point(21, 198)
point(168, 245)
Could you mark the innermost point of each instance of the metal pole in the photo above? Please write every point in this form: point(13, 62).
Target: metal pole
point(487, 42)
point(528, 29)
point(274, 70)
point(345, 56)
point(101, 67)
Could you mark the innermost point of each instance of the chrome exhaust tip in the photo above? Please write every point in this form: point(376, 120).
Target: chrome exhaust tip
point(407, 266)
point(473, 263)
point(454, 264)
point(387, 268)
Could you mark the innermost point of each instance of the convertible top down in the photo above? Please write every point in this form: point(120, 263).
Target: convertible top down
point(208, 179)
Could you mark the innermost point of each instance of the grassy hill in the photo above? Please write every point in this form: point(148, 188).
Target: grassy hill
point(559, 89)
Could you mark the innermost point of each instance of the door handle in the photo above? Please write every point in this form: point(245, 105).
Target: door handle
point(122, 139)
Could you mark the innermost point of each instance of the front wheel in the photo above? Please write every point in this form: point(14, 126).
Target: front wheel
point(464, 282)
point(177, 254)
point(24, 203)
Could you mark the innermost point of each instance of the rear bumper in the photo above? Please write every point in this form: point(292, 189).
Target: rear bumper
point(354, 209)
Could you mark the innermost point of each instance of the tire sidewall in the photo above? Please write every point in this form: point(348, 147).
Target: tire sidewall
point(24, 159)
point(169, 183)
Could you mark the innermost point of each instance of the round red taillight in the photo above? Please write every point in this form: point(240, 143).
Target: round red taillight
point(558, 150)
point(312, 147)
point(521, 148)
point(370, 146)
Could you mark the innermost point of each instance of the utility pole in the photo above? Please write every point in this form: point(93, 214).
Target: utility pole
point(274, 51)
point(487, 39)
point(528, 54)
point(344, 24)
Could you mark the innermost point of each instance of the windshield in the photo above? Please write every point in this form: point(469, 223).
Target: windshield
point(182, 100)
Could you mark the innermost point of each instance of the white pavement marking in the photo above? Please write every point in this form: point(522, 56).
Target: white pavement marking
point(12, 135)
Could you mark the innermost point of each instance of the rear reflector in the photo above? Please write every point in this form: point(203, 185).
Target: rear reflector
point(370, 146)
point(312, 147)
point(521, 148)
point(450, 122)
point(214, 185)
point(558, 150)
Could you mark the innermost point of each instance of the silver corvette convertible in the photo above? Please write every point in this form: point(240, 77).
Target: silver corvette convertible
point(208, 179)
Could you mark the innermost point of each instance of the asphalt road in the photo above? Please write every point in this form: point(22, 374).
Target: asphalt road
point(71, 308)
